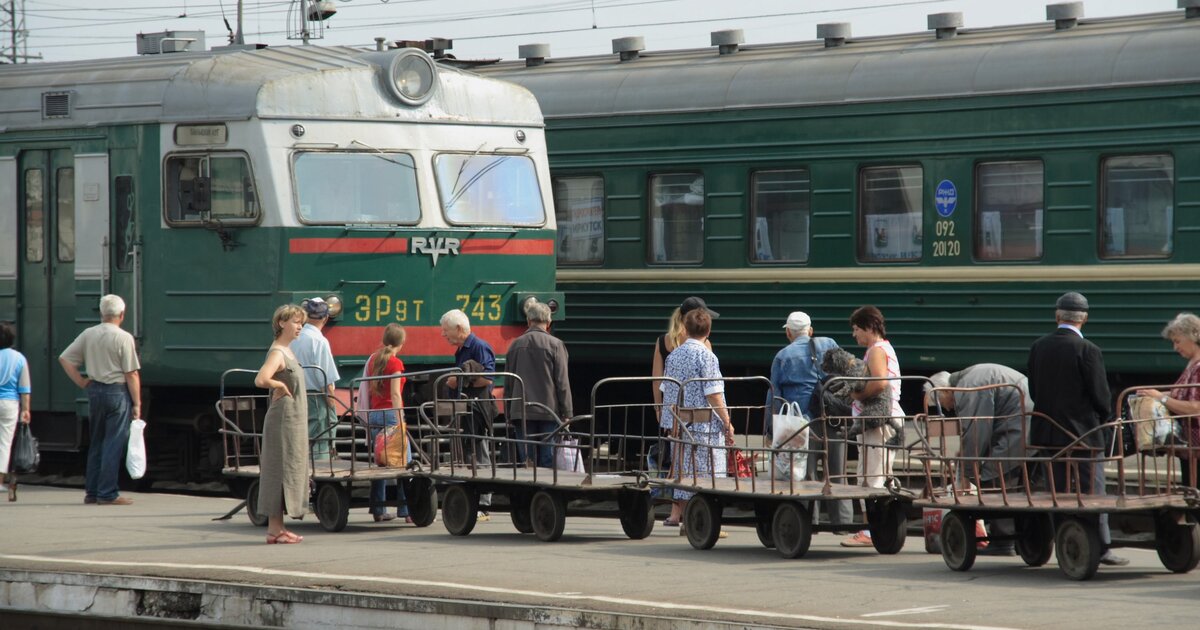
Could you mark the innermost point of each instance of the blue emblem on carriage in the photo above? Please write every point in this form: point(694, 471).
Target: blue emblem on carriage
point(435, 246)
point(945, 198)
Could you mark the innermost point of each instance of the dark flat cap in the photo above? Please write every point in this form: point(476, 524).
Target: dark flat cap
point(1072, 301)
point(694, 303)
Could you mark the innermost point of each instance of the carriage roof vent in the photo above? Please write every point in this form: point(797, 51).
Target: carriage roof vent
point(1065, 14)
point(1192, 6)
point(945, 24)
point(629, 47)
point(727, 41)
point(533, 54)
point(56, 105)
point(170, 42)
point(834, 33)
point(380, 43)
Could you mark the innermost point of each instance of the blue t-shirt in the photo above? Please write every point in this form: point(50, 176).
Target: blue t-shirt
point(14, 375)
point(477, 349)
point(795, 372)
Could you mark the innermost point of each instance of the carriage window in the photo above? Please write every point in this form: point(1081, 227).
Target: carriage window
point(579, 208)
point(1009, 223)
point(890, 214)
point(779, 216)
point(207, 188)
point(1138, 206)
point(677, 218)
point(64, 187)
point(489, 189)
point(34, 215)
point(346, 188)
point(123, 225)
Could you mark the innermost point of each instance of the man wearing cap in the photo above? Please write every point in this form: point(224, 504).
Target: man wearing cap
point(312, 349)
point(1068, 383)
point(795, 374)
point(994, 424)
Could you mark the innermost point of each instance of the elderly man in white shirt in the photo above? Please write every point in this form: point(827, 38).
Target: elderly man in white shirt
point(312, 349)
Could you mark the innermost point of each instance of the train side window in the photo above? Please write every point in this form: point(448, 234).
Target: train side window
point(123, 225)
point(211, 187)
point(1137, 206)
point(889, 217)
point(676, 228)
point(579, 209)
point(780, 204)
point(64, 187)
point(35, 216)
point(1008, 224)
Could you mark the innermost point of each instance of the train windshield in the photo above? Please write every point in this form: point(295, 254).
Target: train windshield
point(343, 188)
point(478, 189)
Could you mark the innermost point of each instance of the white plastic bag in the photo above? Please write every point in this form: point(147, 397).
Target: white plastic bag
point(789, 429)
point(567, 457)
point(135, 456)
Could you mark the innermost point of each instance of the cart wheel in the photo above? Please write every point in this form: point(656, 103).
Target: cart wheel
point(637, 513)
point(257, 518)
point(548, 513)
point(518, 511)
point(1035, 539)
point(1178, 545)
point(422, 501)
point(460, 508)
point(762, 526)
point(702, 520)
point(791, 529)
point(333, 506)
point(1077, 546)
point(888, 524)
point(958, 541)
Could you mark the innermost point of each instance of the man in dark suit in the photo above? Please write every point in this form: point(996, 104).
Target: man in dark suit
point(1068, 383)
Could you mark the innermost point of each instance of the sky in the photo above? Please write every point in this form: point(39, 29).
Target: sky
point(66, 30)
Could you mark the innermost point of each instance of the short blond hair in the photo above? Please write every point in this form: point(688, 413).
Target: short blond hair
point(285, 313)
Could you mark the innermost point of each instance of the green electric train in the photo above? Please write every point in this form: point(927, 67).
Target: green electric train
point(209, 187)
point(959, 179)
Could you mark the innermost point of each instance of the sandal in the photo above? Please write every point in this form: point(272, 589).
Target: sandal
point(670, 522)
point(12, 491)
point(283, 538)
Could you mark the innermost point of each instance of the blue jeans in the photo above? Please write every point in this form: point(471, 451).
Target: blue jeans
point(540, 430)
point(109, 407)
point(378, 421)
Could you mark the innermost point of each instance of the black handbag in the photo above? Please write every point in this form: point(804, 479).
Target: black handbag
point(25, 455)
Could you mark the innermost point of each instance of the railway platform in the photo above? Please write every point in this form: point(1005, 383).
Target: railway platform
point(163, 562)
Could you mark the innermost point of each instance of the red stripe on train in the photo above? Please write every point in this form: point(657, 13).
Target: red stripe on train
point(525, 247)
point(420, 340)
point(372, 245)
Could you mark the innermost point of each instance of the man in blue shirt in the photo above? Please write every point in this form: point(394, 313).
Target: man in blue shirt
point(312, 349)
point(473, 354)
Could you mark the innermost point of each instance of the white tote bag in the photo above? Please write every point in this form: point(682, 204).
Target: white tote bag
point(789, 430)
point(135, 455)
point(567, 456)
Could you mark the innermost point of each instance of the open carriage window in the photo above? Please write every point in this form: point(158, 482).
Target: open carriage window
point(206, 188)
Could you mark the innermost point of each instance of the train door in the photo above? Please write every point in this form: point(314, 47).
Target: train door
point(46, 278)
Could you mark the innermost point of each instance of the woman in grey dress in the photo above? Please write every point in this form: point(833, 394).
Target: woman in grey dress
point(283, 464)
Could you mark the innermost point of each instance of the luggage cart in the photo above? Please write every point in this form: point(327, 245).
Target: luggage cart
point(477, 459)
point(785, 512)
point(351, 462)
point(1061, 523)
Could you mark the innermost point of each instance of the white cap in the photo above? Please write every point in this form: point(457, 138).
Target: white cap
point(941, 379)
point(798, 321)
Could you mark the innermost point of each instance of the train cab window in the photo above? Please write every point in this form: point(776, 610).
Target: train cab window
point(889, 224)
point(345, 188)
point(212, 187)
point(579, 209)
point(779, 215)
point(123, 232)
point(481, 189)
point(1137, 206)
point(35, 215)
point(676, 218)
point(1008, 225)
point(64, 187)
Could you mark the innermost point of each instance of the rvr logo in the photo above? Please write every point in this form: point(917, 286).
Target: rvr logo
point(435, 246)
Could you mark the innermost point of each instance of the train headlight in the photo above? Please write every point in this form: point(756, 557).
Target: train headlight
point(335, 305)
point(413, 76)
point(553, 304)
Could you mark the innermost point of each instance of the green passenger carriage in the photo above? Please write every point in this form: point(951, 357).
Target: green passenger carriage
point(207, 188)
point(959, 181)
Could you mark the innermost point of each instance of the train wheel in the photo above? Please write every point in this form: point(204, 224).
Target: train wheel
point(548, 512)
point(257, 518)
point(518, 511)
point(637, 513)
point(460, 508)
point(1077, 546)
point(333, 506)
point(958, 541)
point(762, 524)
point(1178, 545)
point(791, 529)
point(888, 524)
point(702, 520)
point(422, 501)
point(1035, 539)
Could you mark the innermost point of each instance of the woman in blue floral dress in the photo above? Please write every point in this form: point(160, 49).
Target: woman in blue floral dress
point(702, 409)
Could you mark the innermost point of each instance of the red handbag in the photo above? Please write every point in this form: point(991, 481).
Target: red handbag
point(738, 464)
